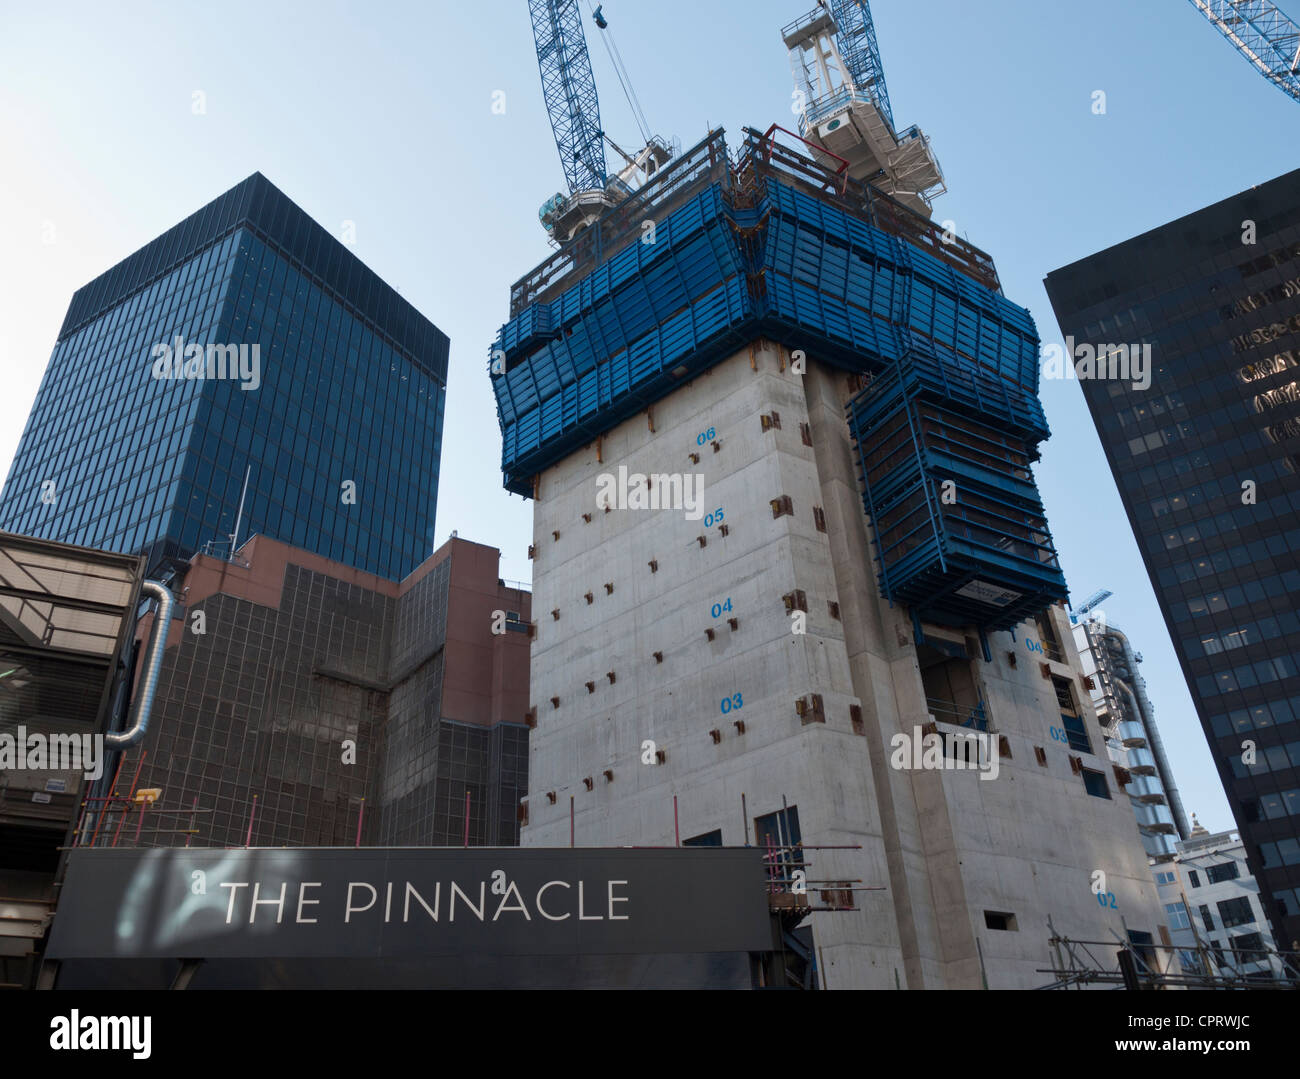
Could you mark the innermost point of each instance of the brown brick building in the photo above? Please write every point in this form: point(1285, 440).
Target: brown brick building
point(340, 703)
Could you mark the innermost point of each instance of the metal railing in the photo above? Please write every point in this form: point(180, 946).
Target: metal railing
point(945, 711)
point(709, 161)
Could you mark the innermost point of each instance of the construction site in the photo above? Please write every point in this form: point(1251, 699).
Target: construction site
point(856, 646)
point(795, 698)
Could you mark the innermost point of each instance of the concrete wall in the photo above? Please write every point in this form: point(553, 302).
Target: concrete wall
point(942, 846)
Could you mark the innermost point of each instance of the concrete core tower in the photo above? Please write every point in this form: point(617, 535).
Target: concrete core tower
point(722, 429)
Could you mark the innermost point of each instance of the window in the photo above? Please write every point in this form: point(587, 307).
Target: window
point(1235, 912)
point(1288, 902)
point(1249, 948)
point(1164, 878)
point(1143, 945)
point(1047, 633)
point(1207, 920)
point(1075, 731)
point(1095, 783)
point(1000, 920)
point(951, 691)
point(1216, 874)
point(708, 839)
point(1178, 918)
point(1195, 879)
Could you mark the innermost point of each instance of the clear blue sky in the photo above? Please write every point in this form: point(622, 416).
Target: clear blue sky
point(380, 113)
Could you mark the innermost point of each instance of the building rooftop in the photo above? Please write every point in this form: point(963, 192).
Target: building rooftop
point(258, 205)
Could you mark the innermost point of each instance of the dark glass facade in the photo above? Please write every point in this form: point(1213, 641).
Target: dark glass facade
point(1207, 460)
point(244, 341)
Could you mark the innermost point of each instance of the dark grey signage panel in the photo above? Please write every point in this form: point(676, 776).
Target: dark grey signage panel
point(368, 902)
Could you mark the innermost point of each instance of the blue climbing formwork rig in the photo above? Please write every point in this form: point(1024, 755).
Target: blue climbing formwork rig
point(769, 243)
point(944, 454)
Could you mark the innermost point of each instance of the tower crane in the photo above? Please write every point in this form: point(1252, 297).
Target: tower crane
point(1263, 35)
point(1093, 600)
point(843, 105)
point(574, 110)
point(1088, 604)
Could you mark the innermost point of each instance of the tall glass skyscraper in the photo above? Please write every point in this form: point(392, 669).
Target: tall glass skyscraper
point(245, 342)
point(1206, 456)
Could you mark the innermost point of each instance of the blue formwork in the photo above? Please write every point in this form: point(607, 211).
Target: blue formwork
point(620, 338)
point(722, 271)
point(865, 294)
point(944, 453)
point(946, 428)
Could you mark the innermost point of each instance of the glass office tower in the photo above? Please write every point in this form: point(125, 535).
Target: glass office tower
point(1207, 460)
point(245, 343)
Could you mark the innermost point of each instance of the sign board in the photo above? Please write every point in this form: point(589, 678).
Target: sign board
point(988, 593)
point(409, 901)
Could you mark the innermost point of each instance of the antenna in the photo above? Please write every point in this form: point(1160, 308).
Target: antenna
point(239, 516)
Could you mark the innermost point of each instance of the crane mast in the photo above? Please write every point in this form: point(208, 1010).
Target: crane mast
point(573, 106)
point(843, 104)
point(570, 91)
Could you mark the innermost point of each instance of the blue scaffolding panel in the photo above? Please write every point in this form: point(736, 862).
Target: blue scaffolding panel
point(743, 251)
point(944, 457)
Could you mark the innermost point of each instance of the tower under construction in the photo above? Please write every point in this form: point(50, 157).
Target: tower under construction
point(793, 582)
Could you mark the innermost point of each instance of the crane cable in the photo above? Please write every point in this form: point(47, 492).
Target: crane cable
point(620, 71)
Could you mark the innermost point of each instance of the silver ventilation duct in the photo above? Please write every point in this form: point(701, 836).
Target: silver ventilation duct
point(152, 665)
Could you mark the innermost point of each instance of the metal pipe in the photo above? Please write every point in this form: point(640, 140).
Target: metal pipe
point(1146, 712)
point(152, 669)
